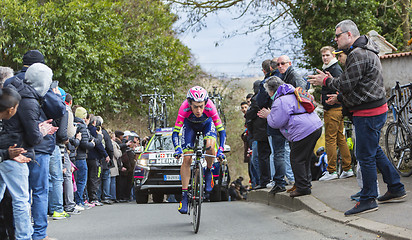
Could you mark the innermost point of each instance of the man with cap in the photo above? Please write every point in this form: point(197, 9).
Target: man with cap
point(29, 58)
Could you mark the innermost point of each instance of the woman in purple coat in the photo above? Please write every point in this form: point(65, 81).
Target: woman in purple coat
point(301, 128)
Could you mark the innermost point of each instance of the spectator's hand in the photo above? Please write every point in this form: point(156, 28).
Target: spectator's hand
point(178, 153)
point(14, 152)
point(329, 75)
point(332, 99)
point(107, 159)
point(129, 143)
point(47, 128)
point(99, 131)
point(220, 154)
point(263, 113)
point(94, 143)
point(79, 136)
point(21, 159)
point(318, 78)
point(64, 170)
point(123, 169)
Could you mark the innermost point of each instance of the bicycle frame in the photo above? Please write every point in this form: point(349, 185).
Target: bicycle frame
point(157, 114)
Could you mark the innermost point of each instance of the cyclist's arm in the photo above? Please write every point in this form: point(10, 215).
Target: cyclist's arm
point(211, 111)
point(184, 111)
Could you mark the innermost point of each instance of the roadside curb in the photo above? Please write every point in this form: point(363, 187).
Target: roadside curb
point(314, 205)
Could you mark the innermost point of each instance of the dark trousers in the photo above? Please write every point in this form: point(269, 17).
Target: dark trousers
point(93, 178)
point(6, 217)
point(124, 185)
point(300, 159)
point(264, 156)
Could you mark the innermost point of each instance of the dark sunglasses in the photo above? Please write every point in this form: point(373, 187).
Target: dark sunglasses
point(282, 63)
point(338, 35)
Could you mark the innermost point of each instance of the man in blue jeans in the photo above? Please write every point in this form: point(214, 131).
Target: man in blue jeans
point(363, 93)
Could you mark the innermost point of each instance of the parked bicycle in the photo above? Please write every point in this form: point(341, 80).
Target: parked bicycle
point(196, 192)
point(217, 99)
point(157, 112)
point(398, 135)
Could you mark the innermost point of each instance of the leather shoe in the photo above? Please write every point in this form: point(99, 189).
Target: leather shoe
point(297, 193)
point(291, 189)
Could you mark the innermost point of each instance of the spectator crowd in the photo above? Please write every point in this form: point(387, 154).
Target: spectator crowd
point(56, 158)
point(281, 133)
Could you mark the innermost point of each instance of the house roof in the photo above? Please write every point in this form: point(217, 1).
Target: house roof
point(396, 55)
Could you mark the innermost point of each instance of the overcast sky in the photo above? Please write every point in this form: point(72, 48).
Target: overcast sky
point(229, 57)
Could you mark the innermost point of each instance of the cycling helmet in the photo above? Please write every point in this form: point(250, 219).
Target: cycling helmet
point(197, 94)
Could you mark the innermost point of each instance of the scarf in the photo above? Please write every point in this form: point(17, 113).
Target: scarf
point(333, 61)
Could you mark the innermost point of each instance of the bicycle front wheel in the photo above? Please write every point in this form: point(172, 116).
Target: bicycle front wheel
point(197, 185)
point(397, 145)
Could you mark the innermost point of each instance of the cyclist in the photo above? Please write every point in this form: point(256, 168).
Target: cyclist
point(197, 114)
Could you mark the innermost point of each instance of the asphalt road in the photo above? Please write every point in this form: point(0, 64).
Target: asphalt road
point(224, 220)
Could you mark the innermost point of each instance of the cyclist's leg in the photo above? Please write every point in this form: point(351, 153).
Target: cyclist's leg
point(188, 139)
point(187, 145)
point(210, 135)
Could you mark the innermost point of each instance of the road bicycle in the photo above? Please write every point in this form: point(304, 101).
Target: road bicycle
point(196, 189)
point(157, 112)
point(217, 99)
point(398, 134)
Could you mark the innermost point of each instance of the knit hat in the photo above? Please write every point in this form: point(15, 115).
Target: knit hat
point(81, 113)
point(33, 56)
point(39, 76)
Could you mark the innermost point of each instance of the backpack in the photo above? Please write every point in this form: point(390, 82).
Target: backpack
point(305, 99)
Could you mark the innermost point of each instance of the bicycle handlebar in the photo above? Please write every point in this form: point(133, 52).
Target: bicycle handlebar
point(203, 155)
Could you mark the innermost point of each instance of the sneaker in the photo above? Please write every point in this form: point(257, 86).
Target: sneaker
point(328, 176)
point(363, 207)
point(277, 189)
point(107, 201)
point(79, 208)
point(74, 212)
point(59, 216)
point(392, 197)
point(271, 184)
point(183, 204)
point(86, 207)
point(97, 203)
point(346, 174)
point(91, 205)
point(208, 180)
point(355, 196)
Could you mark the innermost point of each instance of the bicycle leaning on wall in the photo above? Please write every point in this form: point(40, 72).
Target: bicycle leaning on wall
point(157, 112)
point(398, 134)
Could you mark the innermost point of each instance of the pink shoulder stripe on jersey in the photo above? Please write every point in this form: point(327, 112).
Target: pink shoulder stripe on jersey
point(184, 112)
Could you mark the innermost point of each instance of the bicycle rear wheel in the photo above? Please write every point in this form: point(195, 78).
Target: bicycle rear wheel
point(151, 118)
point(397, 144)
point(197, 185)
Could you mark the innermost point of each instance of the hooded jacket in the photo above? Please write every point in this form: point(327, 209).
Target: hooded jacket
point(290, 118)
point(23, 128)
point(361, 84)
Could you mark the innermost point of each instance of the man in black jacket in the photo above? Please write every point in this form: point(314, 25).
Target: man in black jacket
point(108, 146)
point(289, 75)
point(257, 128)
point(81, 120)
point(94, 157)
point(333, 119)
